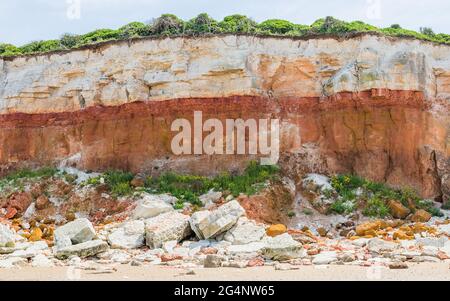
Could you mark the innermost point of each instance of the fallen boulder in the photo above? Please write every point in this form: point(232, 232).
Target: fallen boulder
point(130, 235)
point(438, 242)
point(245, 231)
point(253, 247)
point(165, 227)
point(421, 216)
point(7, 236)
point(378, 245)
point(13, 262)
point(82, 250)
point(153, 205)
point(41, 261)
point(445, 229)
point(398, 210)
point(221, 219)
point(78, 231)
point(210, 197)
point(282, 247)
point(275, 230)
point(316, 183)
point(213, 261)
point(325, 258)
point(195, 220)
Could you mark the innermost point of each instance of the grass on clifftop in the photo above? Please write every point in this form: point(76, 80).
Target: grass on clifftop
point(171, 25)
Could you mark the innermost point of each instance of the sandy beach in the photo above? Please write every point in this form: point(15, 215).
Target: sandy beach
point(420, 271)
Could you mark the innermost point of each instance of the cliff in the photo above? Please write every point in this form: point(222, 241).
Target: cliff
point(372, 105)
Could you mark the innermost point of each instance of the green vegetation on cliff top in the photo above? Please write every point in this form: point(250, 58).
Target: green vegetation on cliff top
point(170, 25)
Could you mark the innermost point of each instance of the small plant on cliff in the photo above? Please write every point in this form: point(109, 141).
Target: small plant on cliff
point(307, 211)
point(376, 207)
point(249, 182)
point(17, 180)
point(375, 195)
point(346, 184)
point(343, 207)
point(189, 187)
point(121, 189)
point(446, 205)
point(45, 172)
point(119, 182)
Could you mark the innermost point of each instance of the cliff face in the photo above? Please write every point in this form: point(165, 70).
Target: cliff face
point(371, 105)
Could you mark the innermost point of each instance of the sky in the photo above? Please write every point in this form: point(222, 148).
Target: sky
point(23, 21)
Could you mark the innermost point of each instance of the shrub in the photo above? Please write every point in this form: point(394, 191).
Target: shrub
point(44, 172)
point(276, 26)
point(9, 50)
point(376, 207)
point(69, 40)
point(189, 187)
point(328, 25)
point(346, 184)
point(291, 214)
point(167, 24)
point(121, 189)
point(179, 205)
point(119, 182)
point(427, 31)
point(359, 26)
point(400, 32)
point(307, 211)
point(202, 24)
point(99, 35)
point(134, 29)
point(435, 212)
point(377, 194)
point(343, 207)
point(238, 24)
point(298, 30)
point(92, 181)
point(41, 46)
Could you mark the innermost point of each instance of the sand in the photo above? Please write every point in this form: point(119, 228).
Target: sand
point(416, 271)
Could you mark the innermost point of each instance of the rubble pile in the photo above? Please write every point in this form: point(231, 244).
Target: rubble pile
point(153, 232)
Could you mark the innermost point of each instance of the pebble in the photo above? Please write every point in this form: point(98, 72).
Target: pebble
point(398, 265)
point(286, 267)
point(325, 258)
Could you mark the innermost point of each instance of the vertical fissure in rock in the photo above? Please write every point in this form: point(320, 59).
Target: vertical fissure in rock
point(435, 174)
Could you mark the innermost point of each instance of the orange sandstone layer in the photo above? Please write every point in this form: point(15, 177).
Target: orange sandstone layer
point(385, 135)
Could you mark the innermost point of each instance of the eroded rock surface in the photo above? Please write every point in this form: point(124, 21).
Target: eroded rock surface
point(372, 105)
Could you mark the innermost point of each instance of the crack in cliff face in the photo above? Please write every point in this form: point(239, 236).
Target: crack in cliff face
point(352, 132)
point(81, 101)
point(435, 174)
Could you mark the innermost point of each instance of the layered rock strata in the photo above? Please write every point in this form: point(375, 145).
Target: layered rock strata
point(372, 105)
